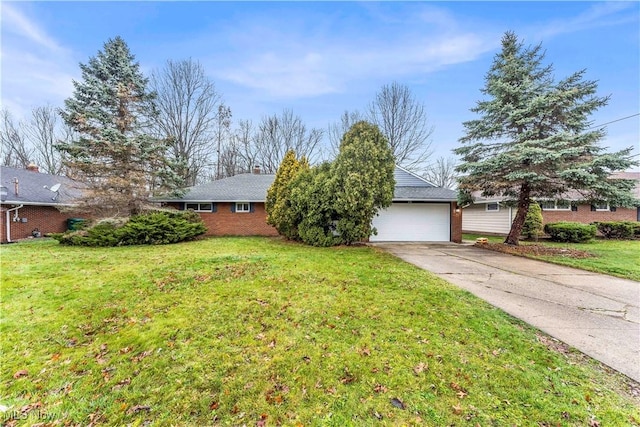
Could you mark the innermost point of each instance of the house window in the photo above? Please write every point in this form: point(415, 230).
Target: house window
point(493, 207)
point(555, 205)
point(601, 207)
point(199, 207)
point(243, 207)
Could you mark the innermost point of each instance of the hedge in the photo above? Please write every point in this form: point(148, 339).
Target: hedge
point(572, 232)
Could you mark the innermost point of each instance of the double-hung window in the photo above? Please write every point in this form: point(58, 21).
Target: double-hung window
point(243, 207)
point(199, 207)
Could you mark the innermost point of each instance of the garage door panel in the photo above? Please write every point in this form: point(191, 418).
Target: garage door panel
point(427, 222)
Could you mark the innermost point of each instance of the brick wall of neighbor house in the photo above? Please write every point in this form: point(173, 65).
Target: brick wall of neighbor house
point(46, 219)
point(586, 215)
point(223, 222)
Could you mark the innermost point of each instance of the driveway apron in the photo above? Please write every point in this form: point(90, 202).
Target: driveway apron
point(594, 313)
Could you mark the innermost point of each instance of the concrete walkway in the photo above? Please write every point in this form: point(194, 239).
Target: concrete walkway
point(595, 313)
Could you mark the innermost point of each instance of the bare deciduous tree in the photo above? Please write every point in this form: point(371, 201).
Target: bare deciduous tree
point(16, 152)
point(278, 134)
point(337, 130)
point(187, 104)
point(403, 120)
point(45, 131)
point(442, 173)
point(222, 134)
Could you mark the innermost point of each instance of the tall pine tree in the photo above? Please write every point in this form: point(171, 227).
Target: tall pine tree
point(113, 155)
point(534, 138)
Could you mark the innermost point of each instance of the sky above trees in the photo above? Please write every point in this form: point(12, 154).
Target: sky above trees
point(319, 59)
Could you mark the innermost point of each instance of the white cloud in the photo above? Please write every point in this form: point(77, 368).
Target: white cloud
point(598, 15)
point(312, 58)
point(36, 69)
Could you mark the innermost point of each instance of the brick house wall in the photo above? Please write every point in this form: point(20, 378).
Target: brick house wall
point(47, 219)
point(456, 223)
point(585, 215)
point(224, 222)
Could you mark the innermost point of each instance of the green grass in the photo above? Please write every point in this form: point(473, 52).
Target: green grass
point(253, 331)
point(614, 257)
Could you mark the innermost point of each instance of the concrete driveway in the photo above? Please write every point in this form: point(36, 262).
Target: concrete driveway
point(597, 314)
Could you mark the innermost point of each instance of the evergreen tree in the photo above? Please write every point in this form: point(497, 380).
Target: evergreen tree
point(109, 110)
point(364, 178)
point(278, 203)
point(534, 138)
point(533, 226)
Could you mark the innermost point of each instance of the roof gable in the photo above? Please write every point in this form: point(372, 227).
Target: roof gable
point(404, 178)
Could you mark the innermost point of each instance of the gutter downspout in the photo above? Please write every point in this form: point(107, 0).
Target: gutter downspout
point(9, 221)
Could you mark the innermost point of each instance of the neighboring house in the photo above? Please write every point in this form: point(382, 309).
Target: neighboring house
point(236, 206)
point(494, 215)
point(33, 203)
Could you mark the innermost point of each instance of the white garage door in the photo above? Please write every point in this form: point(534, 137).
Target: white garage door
point(413, 222)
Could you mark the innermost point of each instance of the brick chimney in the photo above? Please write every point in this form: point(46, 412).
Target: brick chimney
point(33, 167)
point(256, 170)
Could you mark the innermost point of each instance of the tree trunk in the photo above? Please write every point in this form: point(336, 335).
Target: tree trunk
point(518, 222)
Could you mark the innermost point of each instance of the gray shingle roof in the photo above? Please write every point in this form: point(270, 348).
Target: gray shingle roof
point(253, 188)
point(246, 187)
point(34, 188)
point(424, 194)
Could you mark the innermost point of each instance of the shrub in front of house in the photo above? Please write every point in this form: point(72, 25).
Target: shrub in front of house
point(149, 228)
point(532, 227)
point(570, 232)
point(624, 230)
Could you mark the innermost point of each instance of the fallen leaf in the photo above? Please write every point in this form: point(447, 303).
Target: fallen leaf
point(21, 373)
point(397, 403)
point(125, 350)
point(214, 405)
point(272, 344)
point(461, 394)
point(121, 384)
point(420, 367)
point(378, 415)
point(55, 356)
point(457, 409)
point(138, 408)
point(594, 423)
point(379, 388)
point(364, 351)
point(138, 357)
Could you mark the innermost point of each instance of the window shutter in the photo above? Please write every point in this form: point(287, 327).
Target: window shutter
point(251, 208)
point(214, 207)
point(574, 208)
point(593, 208)
point(233, 207)
point(612, 208)
point(182, 206)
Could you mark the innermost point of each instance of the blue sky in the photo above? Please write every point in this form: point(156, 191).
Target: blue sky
point(322, 58)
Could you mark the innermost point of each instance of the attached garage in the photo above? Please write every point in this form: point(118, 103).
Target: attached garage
point(420, 212)
point(414, 222)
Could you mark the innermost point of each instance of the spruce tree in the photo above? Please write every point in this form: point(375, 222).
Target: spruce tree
point(109, 109)
point(534, 137)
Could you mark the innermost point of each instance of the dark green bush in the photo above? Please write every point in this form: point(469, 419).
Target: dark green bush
point(617, 229)
point(150, 228)
point(572, 232)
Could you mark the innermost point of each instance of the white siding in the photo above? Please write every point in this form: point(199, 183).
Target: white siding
point(476, 218)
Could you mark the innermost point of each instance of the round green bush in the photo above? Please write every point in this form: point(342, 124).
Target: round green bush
point(571, 232)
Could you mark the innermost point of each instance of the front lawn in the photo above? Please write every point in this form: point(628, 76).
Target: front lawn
point(256, 331)
point(615, 257)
